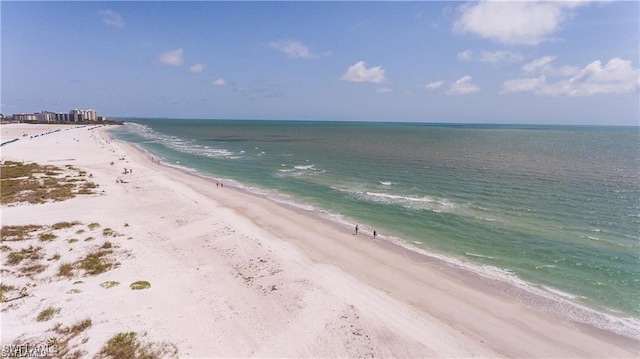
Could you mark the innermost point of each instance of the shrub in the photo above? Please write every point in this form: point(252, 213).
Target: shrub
point(17, 233)
point(47, 236)
point(109, 284)
point(63, 225)
point(47, 314)
point(108, 232)
point(96, 263)
point(15, 258)
point(141, 284)
point(65, 270)
point(127, 345)
point(93, 226)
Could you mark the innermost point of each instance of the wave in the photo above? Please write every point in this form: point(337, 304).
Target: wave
point(412, 202)
point(304, 167)
point(478, 255)
point(180, 144)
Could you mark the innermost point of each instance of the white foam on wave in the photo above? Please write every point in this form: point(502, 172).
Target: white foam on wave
point(563, 304)
point(179, 144)
point(478, 255)
point(413, 202)
point(304, 167)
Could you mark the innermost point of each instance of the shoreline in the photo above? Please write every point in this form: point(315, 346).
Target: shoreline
point(478, 281)
point(266, 280)
point(493, 283)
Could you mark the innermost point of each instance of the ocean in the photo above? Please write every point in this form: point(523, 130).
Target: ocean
point(554, 210)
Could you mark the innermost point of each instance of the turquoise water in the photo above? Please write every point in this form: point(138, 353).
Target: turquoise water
point(557, 207)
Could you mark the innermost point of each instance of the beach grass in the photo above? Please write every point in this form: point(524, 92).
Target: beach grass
point(65, 270)
point(96, 262)
point(108, 232)
point(47, 314)
point(34, 183)
point(63, 225)
point(93, 225)
point(17, 233)
point(109, 284)
point(30, 253)
point(139, 285)
point(128, 345)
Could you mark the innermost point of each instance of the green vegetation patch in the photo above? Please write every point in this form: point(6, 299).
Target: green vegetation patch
point(30, 253)
point(34, 183)
point(68, 333)
point(47, 314)
point(108, 232)
point(139, 285)
point(63, 225)
point(18, 233)
point(93, 225)
point(32, 269)
point(5, 289)
point(47, 236)
point(96, 262)
point(127, 345)
point(65, 270)
point(109, 284)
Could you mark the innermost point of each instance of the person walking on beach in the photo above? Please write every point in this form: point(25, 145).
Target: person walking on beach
point(375, 234)
point(356, 229)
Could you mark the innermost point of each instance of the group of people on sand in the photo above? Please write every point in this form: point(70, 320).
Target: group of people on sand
point(375, 233)
point(219, 184)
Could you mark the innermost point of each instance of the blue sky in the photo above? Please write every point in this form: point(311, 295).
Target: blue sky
point(478, 62)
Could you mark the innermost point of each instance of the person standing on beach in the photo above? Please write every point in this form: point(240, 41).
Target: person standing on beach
point(375, 234)
point(356, 229)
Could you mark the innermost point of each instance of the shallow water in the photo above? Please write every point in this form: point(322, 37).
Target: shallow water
point(557, 207)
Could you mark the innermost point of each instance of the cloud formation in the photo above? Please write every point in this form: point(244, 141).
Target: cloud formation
point(434, 85)
point(360, 73)
point(464, 86)
point(292, 49)
point(197, 68)
point(219, 82)
point(492, 57)
point(617, 76)
point(111, 18)
point(514, 22)
point(172, 58)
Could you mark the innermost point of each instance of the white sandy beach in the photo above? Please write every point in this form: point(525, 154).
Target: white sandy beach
point(235, 275)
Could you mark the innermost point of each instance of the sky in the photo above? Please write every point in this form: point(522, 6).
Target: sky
point(514, 62)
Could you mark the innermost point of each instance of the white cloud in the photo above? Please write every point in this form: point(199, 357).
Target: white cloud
point(219, 82)
point(493, 57)
point(514, 22)
point(544, 66)
point(384, 90)
point(617, 76)
point(538, 64)
point(293, 49)
point(360, 73)
point(463, 86)
point(173, 58)
point(197, 68)
point(500, 57)
point(111, 18)
point(434, 85)
point(465, 55)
